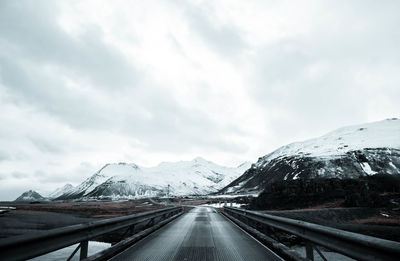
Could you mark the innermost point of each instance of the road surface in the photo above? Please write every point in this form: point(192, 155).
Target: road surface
point(200, 234)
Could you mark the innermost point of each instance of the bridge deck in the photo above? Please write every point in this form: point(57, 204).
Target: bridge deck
point(201, 234)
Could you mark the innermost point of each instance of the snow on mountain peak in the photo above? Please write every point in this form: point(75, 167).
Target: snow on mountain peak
point(349, 152)
point(198, 176)
point(200, 159)
point(30, 195)
point(59, 191)
point(379, 134)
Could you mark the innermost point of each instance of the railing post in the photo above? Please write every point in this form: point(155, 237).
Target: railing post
point(132, 229)
point(309, 251)
point(84, 250)
point(150, 223)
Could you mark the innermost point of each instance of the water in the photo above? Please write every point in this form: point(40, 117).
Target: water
point(64, 253)
point(328, 255)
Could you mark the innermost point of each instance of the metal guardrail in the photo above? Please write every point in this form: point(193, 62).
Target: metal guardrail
point(360, 247)
point(123, 244)
point(29, 246)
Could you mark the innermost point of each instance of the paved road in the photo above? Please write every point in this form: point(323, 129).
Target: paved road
point(201, 234)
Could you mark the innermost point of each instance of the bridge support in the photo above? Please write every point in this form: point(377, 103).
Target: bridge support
point(150, 223)
point(309, 251)
point(84, 250)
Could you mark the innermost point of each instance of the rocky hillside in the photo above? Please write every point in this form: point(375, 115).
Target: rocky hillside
point(348, 152)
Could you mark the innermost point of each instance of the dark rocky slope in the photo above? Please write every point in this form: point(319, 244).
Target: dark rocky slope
point(349, 152)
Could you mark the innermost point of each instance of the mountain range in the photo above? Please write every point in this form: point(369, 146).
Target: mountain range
point(129, 181)
point(347, 152)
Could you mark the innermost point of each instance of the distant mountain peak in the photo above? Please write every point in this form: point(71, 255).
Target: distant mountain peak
point(59, 191)
point(200, 159)
point(30, 195)
point(133, 165)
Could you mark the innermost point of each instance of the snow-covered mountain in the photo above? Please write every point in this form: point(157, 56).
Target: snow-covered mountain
point(59, 191)
point(348, 152)
point(30, 195)
point(123, 180)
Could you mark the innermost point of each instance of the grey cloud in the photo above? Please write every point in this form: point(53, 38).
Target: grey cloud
point(42, 176)
point(359, 38)
point(284, 88)
point(224, 39)
point(45, 145)
point(32, 28)
point(171, 127)
point(14, 189)
point(4, 156)
point(166, 128)
point(367, 30)
point(115, 98)
point(36, 41)
point(48, 93)
point(19, 175)
point(75, 176)
point(31, 40)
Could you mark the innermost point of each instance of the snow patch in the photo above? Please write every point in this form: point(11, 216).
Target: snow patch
point(367, 168)
point(392, 165)
point(286, 176)
point(370, 135)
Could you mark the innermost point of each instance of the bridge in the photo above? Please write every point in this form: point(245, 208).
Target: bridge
point(199, 233)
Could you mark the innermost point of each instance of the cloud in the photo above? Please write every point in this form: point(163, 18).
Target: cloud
point(87, 83)
point(224, 39)
point(4, 156)
point(41, 64)
point(312, 79)
point(50, 69)
point(39, 36)
point(19, 175)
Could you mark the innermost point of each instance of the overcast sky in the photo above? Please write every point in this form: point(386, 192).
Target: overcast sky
point(84, 83)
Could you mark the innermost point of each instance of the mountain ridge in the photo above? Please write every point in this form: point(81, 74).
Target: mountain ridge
point(347, 152)
point(130, 181)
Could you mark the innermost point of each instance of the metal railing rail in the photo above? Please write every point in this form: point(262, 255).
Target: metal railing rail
point(351, 244)
point(29, 246)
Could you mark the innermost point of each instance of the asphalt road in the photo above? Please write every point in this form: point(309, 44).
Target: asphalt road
point(201, 234)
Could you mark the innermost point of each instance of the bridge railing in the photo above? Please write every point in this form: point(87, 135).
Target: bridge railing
point(358, 246)
point(33, 245)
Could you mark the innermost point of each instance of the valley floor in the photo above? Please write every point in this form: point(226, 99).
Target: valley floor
point(370, 221)
point(30, 218)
